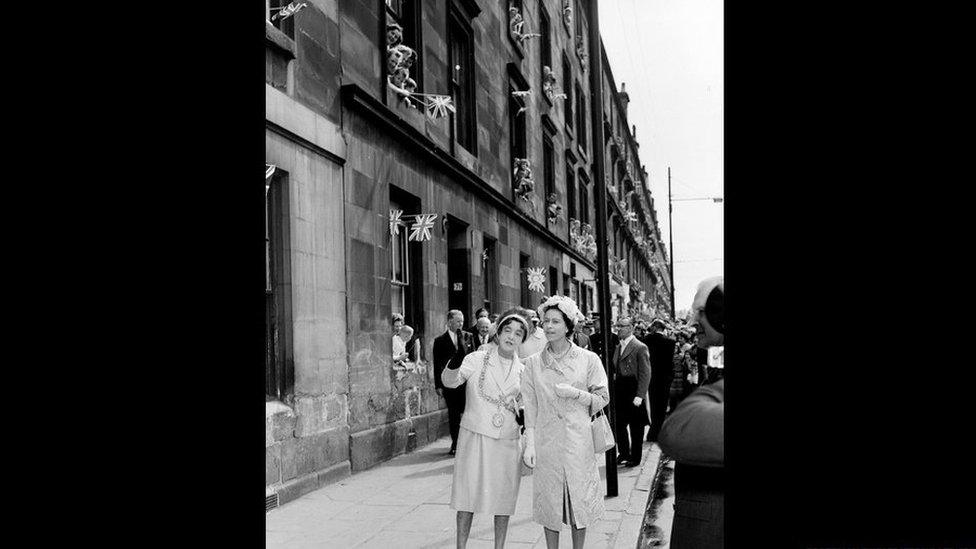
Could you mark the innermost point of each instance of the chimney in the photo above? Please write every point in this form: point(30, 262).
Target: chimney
point(624, 97)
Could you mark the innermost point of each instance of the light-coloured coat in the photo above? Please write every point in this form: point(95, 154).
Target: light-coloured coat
point(565, 459)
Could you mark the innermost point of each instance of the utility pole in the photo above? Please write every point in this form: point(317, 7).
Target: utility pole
point(602, 265)
point(671, 239)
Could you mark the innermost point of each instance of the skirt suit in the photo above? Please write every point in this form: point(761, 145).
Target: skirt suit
point(487, 464)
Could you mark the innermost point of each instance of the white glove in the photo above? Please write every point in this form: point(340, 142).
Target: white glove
point(637, 401)
point(528, 456)
point(567, 391)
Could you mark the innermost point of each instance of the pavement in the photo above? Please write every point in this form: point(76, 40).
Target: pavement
point(403, 503)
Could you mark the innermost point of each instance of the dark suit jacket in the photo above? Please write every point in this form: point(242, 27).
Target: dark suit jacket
point(694, 435)
point(595, 346)
point(445, 354)
point(635, 362)
point(661, 351)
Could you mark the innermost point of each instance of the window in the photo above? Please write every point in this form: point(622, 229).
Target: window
point(546, 40)
point(584, 202)
point(568, 90)
point(553, 281)
point(287, 25)
point(278, 360)
point(548, 167)
point(516, 129)
point(406, 13)
point(489, 273)
point(581, 118)
point(461, 66)
point(571, 190)
point(525, 300)
point(566, 284)
point(406, 277)
point(578, 19)
point(400, 261)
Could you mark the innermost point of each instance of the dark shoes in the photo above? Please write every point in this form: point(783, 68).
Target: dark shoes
point(621, 460)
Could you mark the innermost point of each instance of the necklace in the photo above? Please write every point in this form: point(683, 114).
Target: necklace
point(497, 419)
point(561, 356)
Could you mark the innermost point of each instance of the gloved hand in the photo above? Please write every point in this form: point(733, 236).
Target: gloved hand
point(637, 401)
point(564, 390)
point(528, 456)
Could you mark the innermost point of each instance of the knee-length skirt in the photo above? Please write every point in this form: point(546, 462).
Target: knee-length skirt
point(486, 474)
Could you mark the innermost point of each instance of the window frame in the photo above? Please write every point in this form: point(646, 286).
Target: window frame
point(286, 26)
point(568, 105)
point(279, 349)
point(412, 286)
point(458, 24)
point(582, 143)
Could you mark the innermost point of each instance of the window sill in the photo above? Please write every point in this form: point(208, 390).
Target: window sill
point(279, 40)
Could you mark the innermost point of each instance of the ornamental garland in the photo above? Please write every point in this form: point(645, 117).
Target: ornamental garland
point(521, 95)
point(399, 60)
point(287, 11)
point(537, 278)
point(583, 238)
point(515, 23)
point(524, 185)
point(581, 52)
point(423, 223)
point(567, 14)
point(395, 222)
point(554, 211)
point(420, 230)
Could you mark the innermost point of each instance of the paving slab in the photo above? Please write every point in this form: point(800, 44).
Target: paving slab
point(404, 503)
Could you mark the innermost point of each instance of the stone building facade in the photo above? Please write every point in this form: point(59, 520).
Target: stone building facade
point(344, 148)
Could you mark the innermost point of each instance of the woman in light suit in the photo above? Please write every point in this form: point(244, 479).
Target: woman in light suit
point(487, 465)
point(562, 386)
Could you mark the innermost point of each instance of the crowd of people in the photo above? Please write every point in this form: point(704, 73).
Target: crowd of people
point(522, 388)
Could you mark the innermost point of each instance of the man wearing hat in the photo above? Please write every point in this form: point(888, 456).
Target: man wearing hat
point(661, 349)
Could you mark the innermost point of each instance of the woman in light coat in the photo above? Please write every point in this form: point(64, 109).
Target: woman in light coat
point(487, 472)
point(562, 387)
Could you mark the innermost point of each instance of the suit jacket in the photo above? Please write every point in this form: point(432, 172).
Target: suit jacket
point(635, 362)
point(446, 354)
point(694, 435)
point(595, 346)
point(661, 351)
point(476, 341)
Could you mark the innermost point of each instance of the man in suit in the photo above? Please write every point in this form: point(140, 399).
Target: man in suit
point(694, 435)
point(661, 349)
point(481, 312)
point(483, 326)
point(450, 348)
point(596, 341)
point(632, 365)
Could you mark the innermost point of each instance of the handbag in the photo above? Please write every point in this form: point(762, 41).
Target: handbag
point(602, 434)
